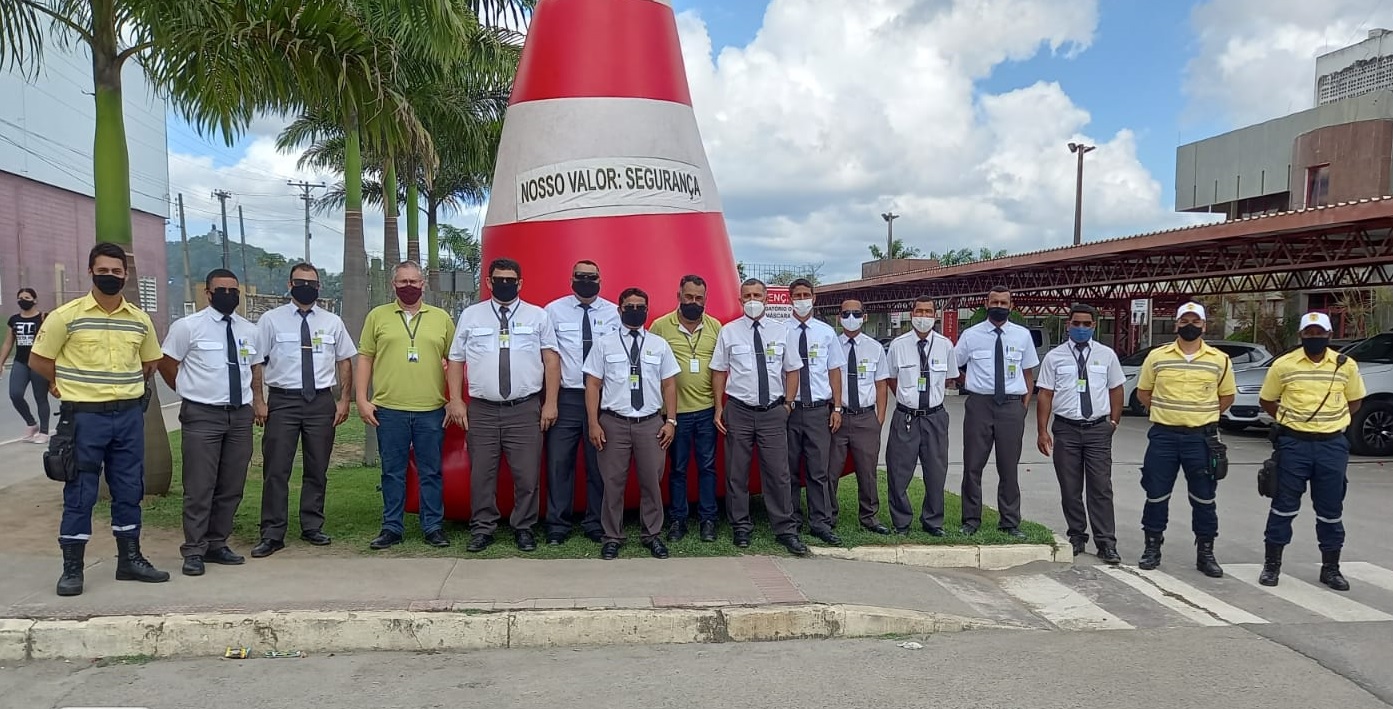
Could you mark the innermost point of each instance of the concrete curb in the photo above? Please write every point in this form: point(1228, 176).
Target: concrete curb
point(988, 557)
point(207, 635)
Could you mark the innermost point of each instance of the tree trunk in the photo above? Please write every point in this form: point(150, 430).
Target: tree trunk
point(355, 258)
point(413, 216)
point(432, 234)
point(391, 238)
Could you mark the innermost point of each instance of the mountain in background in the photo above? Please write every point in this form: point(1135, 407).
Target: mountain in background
point(268, 270)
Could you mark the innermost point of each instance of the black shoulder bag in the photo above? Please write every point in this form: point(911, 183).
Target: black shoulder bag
point(60, 460)
point(1218, 461)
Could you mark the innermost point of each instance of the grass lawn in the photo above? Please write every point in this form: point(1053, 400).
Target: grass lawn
point(353, 514)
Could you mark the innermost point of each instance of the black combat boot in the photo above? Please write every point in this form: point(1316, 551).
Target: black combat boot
point(70, 583)
point(131, 565)
point(1330, 571)
point(1272, 565)
point(1204, 558)
point(1151, 555)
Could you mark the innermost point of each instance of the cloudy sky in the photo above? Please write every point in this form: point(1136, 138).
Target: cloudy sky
point(818, 115)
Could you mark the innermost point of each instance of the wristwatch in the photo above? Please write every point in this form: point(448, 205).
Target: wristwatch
point(836, 409)
point(672, 422)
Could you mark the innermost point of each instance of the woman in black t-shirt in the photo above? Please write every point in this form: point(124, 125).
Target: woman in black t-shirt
point(20, 336)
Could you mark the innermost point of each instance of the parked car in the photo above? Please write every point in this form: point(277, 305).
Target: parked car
point(1243, 355)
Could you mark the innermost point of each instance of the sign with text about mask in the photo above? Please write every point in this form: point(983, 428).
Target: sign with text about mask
point(635, 185)
point(779, 304)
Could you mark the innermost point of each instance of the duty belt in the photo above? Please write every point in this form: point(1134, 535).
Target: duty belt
point(1197, 430)
point(101, 407)
point(1311, 436)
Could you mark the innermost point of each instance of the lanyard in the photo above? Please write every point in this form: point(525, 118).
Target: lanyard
point(410, 331)
point(1081, 359)
point(504, 325)
point(693, 345)
point(633, 351)
point(928, 356)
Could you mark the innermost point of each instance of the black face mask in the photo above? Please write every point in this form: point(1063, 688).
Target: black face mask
point(224, 303)
point(108, 284)
point(692, 311)
point(1189, 333)
point(998, 315)
point(25, 304)
point(634, 318)
point(504, 292)
point(305, 295)
point(1315, 345)
point(585, 289)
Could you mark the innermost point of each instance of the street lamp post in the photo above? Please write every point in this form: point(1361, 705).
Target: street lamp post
point(889, 218)
point(1079, 149)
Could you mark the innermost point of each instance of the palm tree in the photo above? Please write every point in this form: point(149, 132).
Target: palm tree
point(898, 250)
point(271, 261)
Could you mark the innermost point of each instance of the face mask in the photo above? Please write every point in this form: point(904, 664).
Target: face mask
point(224, 303)
point(923, 325)
point(852, 324)
point(26, 304)
point(691, 311)
point(754, 309)
point(998, 315)
point(1189, 333)
point(505, 292)
point(585, 289)
point(1315, 345)
point(634, 318)
point(408, 295)
point(108, 284)
point(802, 308)
point(1081, 334)
point(305, 295)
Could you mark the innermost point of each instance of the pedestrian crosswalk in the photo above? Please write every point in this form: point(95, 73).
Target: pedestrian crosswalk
point(1088, 598)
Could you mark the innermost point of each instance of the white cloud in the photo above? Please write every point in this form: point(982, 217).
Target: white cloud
point(836, 112)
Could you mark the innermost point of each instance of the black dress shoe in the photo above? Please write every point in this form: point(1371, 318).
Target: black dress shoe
point(656, 548)
point(876, 528)
point(595, 535)
point(708, 530)
point(1015, 533)
point(317, 538)
point(193, 566)
point(556, 540)
point(793, 544)
point(1079, 545)
point(224, 556)
point(677, 531)
point(479, 542)
point(967, 530)
point(267, 547)
point(609, 551)
point(901, 531)
point(934, 531)
point(437, 538)
point(742, 539)
point(1108, 555)
point(384, 540)
point(526, 541)
point(828, 536)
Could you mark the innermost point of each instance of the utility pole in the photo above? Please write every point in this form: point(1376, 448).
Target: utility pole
point(242, 227)
point(184, 237)
point(222, 196)
point(889, 218)
point(305, 196)
point(1080, 150)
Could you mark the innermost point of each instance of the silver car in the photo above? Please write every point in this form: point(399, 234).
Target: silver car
point(1243, 355)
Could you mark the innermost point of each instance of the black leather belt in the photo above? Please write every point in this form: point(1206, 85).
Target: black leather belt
point(771, 406)
point(510, 402)
point(1196, 430)
point(1009, 397)
point(293, 392)
point(1079, 423)
point(1310, 436)
point(102, 407)
point(216, 407)
point(857, 412)
point(630, 419)
point(815, 405)
point(901, 408)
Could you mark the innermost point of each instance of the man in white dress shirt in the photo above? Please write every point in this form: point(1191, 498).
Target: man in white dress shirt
point(212, 359)
point(631, 398)
point(917, 365)
point(509, 347)
point(580, 320)
point(760, 373)
point(998, 360)
point(865, 394)
point(814, 414)
point(1081, 384)
point(308, 350)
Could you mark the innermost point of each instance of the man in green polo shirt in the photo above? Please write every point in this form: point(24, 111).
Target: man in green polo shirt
point(401, 360)
point(692, 335)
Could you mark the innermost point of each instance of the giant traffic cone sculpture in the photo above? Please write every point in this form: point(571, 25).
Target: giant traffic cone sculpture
point(601, 159)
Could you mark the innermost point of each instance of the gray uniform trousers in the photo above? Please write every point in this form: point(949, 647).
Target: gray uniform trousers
point(1083, 464)
point(810, 441)
point(217, 446)
point(746, 428)
point(495, 431)
point(629, 441)
point(987, 423)
point(919, 437)
point(290, 422)
point(858, 436)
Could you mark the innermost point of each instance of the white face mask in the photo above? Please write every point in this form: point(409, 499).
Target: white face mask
point(802, 308)
point(922, 324)
point(852, 324)
point(754, 309)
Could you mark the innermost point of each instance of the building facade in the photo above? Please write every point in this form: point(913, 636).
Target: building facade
point(1355, 70)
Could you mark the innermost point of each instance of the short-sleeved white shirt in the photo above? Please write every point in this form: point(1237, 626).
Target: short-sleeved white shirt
point(609, 361)
point(479, 339)
point(199, 342)
point(735, 354)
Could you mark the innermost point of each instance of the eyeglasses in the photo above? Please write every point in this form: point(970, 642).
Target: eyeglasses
point(506, 280)
point(303, 282)
point(852, 313)
point(226, 291)
point(585, 276)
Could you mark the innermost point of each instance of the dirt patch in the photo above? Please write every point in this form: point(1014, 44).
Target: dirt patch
point(36, 506)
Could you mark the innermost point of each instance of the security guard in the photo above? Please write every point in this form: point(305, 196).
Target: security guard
point(1311, 393)
point(98, 351)
point(1187, 384)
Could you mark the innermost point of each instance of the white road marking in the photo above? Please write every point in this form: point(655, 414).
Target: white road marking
point(1219, 609)
point(1154, 592)
point(1321, 601)
point(1365, 572)
point(1066, 608)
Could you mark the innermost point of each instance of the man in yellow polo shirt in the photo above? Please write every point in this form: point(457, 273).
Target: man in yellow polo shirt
point(1311, 393)
point(1187, 384)
point(692, 335)
point(98, 351)
point(401, 360)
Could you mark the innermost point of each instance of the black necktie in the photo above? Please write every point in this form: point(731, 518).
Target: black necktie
point(853, 394)
point(636, 372)
point(587, 338)
point(1086, 398)
point(761, 366)
point(805, 379)
point(505, 363)
point(924, 373)
point(999, 393)
point(306, 357)
point(234, 366)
